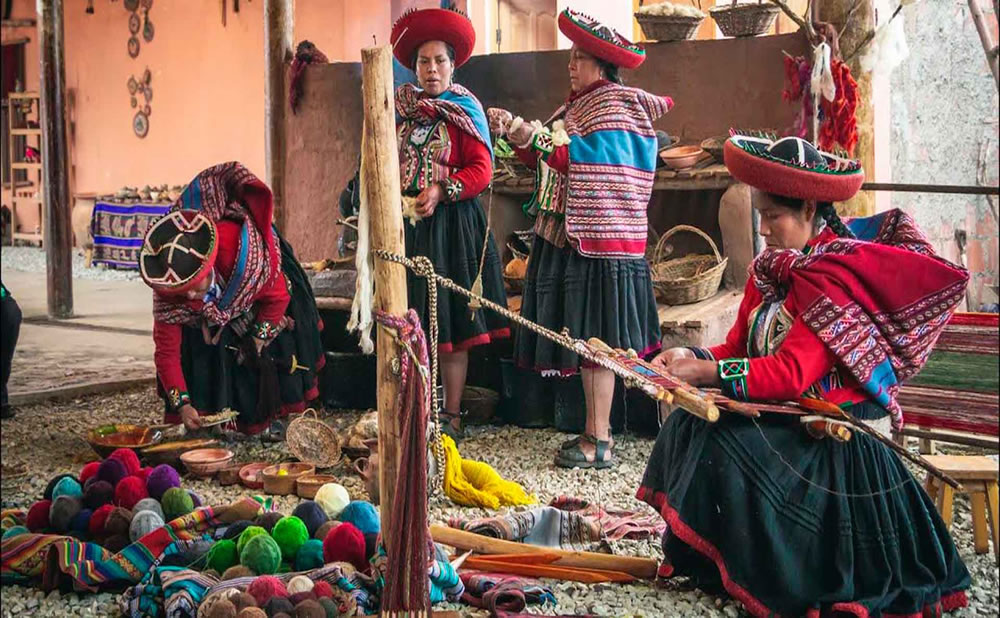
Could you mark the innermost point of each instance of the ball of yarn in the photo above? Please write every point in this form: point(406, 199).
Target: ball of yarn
point(161, 478)
point(98, 520)
point(37, 518)
point(322, 590)
point(98, 493)
point(116, 542)
point(81, 521)
point(371, 545)
point(222, 555)
point(244, 600)
point(14, 531)
point(363, 515)
point(112, 471)
point(325, 529)
point(309, 556)
point(262, 555)
point(62, 512)
point(311, 514)
point(236, 572)
point(89, 471)
point(267, 520)
point(291, 534)
point(195, 499)
point(89, 482)
point(332, 611)
point(143, 523)
point(282, 615)
point(118, 522)
point(345, 543)
point(51, 485)
point(222, 608)
point(129, 492)
point(298, 597)
point(252, 612)
point(235, 529)
point(128, 457)
point(176, 502)
point(143, 474)
point(67, 486)
point(275, 606)
point(247, 534)
point(265, 588)
point(299, 583)
point(148, 504)
point(309, 608)
point(332, 498)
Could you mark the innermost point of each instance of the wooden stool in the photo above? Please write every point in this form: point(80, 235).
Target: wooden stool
point(978, 475)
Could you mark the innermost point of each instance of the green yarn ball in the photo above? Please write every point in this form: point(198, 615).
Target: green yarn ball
point(247, 534)
point(309, 556)
point(222, 555)
point(176, 502)
point(291, 534)
point(261, 555)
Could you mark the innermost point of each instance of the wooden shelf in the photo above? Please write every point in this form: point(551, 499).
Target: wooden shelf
point(19, 23)
point(30, 94)
point(26, 166)
point(30, 199)
point(33, 237)
point(25, 131)
point(706, 177)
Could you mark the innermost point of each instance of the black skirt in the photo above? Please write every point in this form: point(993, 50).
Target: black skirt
point(611, 299)
point(453, 240)
point(215, 379)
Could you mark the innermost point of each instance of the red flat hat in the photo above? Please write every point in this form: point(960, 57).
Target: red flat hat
point(599, 40)
point(415, 28)
point(178, 252)
point(792, 167)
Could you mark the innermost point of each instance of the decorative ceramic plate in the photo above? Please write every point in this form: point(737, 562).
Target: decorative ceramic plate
point(131, 5)
point(140, 124)
point(135, 102)
point(147, 30)
point(147, 77)
point(134, 23)
point(133, 86)
point(133, 47)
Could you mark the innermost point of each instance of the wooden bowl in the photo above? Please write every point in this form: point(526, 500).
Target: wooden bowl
point(284, 484)
point(230, 475)
point(206, 461)
point(170, 452)
point(308, 484)
point(250, 475)
point(681, 157)
point(108, 438)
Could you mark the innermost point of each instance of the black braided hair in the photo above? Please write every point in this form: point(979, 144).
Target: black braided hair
point(611, 71)
point(828, 212)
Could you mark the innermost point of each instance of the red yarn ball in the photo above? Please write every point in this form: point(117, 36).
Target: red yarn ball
point(345, 543)
point(128, 457)
point(98, 519)
point(130, 490)
point(266, 587)
point(37, 518)
point(143, 473)
point(89, 471)
point(322, 590)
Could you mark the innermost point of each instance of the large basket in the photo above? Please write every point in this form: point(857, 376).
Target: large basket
point(313, 441)
point(480, 405)
point(668, 27)
point(689, 279)
point(746, 19)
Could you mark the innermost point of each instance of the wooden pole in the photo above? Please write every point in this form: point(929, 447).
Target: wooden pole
point(278, 29)
point(986, 39)
point(380, 186)
point(58, 234)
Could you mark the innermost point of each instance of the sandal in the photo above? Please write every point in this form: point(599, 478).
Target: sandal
point(574, 457)
point(446, 418)
point(568, 444)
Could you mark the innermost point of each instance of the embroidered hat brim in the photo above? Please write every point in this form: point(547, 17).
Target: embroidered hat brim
point(415, 28)
point(599, 40)
point(178, 251)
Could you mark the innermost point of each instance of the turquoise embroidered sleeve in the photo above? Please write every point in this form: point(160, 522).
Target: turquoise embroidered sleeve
point(177, 398)
point(733, 372)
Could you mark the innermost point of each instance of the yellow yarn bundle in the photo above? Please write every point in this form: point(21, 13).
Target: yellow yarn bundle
point(474, 483)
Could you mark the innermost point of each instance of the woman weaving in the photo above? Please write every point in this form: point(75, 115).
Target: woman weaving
point(446, 161)
point(787, 523)
point(595, 161)
point(234, 319)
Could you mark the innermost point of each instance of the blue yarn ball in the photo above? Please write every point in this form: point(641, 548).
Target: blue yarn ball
point(14, 531)
point(363, 515)
point(81, 521)
point(309, 556)
point(67, 486)
point(311, 514)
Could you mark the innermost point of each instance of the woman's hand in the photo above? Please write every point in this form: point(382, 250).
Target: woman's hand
point(499, 119)
point(428, 200)
point(190, 416)
point(520, 133)
point(694, 371)
point(664, 358)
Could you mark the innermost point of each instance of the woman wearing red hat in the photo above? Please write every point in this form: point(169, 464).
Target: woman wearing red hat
point(234, 318)
point(595, 160)
point(785, 522)
point(446, 161)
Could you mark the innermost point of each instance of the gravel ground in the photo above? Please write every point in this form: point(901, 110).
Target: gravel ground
point(32, 260)
point(61, 428)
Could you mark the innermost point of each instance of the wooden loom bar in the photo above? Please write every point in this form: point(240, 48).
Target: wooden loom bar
point(278, 28)
point(918, 188)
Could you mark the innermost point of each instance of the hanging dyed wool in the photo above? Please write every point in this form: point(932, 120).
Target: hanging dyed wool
point(838, 117)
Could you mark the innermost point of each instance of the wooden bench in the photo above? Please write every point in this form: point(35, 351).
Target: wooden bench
point(978, 476)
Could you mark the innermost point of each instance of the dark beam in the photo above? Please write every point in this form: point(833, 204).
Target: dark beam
point(917, 188)
point(278, 32)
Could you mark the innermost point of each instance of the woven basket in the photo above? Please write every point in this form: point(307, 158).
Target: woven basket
point(313, 441)
point(738, 20)
point(689, 279)
point(480, 405)
point(668, 27)
point(308, 484)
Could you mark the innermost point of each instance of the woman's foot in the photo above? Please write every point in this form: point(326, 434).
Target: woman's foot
point(451, 425)
point(586, 452)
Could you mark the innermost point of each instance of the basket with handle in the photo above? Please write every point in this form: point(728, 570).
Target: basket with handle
point(747, 19)
point(668, 27)
point(689, 279)
point(313, 441)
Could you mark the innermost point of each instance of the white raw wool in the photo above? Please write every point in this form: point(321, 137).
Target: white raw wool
point(887, 50)
point(410, 209)
point(364, 288)
point(669, 9)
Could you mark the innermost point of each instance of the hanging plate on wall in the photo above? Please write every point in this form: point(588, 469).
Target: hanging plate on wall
point(133, 86)
point(146, 4)
point(131, 5)
point(133, 47)
point(148, 93)
point(147, 30)
point(147, 77)
point(140, 124)
point(146, 109)
point(134, 23)
point(135, 102)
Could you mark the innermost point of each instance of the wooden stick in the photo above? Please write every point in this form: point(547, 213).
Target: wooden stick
point(986, 39)
point(918, 188)
point(539, 558)
point(806, 27)
point(587, 576)
point(278, 27)
point(642, 568)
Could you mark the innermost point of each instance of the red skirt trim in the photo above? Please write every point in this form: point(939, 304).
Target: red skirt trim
point(478, 340)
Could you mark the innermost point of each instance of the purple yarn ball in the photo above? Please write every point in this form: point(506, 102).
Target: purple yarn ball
point(112, 471)
point(162, 478)
point(98, 494)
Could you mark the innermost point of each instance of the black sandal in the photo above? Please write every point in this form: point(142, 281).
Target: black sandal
point(446, 418)
point(574, 457)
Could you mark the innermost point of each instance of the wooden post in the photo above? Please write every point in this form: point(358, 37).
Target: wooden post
point(278, 28)
point(58, 234)
point(380, 186)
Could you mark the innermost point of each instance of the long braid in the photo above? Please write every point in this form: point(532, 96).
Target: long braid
point(829, 213)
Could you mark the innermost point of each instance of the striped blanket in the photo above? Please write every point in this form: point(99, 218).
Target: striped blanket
point(118, 230)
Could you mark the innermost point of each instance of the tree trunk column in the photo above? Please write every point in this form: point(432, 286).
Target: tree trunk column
point(278, 32)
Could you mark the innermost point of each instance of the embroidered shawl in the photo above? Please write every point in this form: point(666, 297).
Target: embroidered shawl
point(879, 303)
point(456, 106)
point(229, 191)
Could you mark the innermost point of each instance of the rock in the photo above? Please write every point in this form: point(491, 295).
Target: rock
point(53, 596)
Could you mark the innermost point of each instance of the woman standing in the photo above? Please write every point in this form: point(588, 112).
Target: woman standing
point(446, 161)
point(787, 523)
point(587, 271)
point(234, 318)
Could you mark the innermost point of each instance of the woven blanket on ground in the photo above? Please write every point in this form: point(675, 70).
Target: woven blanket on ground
point(118, 230)
point(508, 593)
point(567, 522)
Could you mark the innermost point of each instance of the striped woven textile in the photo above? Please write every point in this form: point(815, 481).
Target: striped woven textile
point(118, 230)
